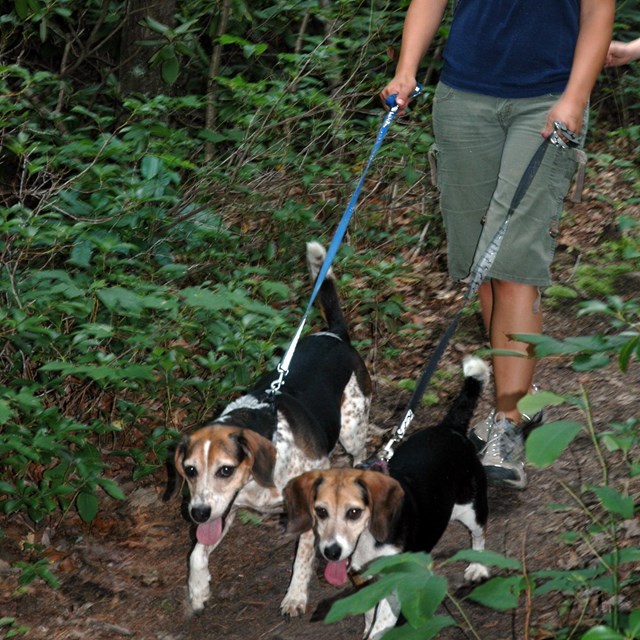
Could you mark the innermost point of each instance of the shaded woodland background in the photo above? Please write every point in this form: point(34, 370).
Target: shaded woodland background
point(162, 164)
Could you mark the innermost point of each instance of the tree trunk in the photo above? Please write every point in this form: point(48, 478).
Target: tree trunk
point(137, 74)
point(212, 84)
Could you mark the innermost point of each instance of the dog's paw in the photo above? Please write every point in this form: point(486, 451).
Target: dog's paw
point(476, 572)
point(293, 606)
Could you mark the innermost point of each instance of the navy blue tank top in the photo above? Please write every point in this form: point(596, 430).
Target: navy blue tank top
point(511, 48)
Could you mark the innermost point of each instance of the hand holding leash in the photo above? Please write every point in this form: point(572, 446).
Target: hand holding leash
point(563, 137)
point(390, 101)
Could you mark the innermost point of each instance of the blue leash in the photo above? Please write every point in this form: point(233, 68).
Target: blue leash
point(283, 366)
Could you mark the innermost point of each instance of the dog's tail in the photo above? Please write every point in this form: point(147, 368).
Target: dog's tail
point(476, 376)
point(328, 294)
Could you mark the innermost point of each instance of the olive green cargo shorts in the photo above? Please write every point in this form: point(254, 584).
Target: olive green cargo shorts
point(483, 146)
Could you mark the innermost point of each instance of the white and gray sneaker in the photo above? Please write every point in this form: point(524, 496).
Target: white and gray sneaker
point(503, 454)
point(479, 433)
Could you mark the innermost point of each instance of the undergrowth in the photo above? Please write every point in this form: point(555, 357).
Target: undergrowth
point(152, 244)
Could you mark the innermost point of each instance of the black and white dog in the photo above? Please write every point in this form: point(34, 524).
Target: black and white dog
point(245, 457)
point(359, 515)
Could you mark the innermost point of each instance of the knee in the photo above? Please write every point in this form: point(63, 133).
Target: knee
point(516, 291)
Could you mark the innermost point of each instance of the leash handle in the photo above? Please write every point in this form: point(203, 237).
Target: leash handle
point(391, 100)
point(563, 136)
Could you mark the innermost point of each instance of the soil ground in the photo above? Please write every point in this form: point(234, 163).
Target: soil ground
point(125, 575)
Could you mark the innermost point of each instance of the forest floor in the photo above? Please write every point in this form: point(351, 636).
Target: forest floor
point(125, 574)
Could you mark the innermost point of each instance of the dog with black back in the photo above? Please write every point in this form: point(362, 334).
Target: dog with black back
point(359, 515)
point(245, 457)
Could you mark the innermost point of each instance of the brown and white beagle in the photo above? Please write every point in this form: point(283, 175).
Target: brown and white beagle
point(245, 457)
point(360, 515)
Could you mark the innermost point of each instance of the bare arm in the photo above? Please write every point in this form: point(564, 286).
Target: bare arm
point(420, 25)
point(623, 53)
point(596, 24)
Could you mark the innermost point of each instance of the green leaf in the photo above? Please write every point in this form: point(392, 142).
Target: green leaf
point(361, 601)
point(633, 625)
point(81, 253)
point(150, 167)
point(626, 351)
point(500, 593)
point(420, 594)
point(111, 488)
point(137, 372)
point(7, 487)
point(430, 629)
point(5, 411)
point(170, 69)
point(87, 504)
point(614, 502)
point(489, 558)
point(602, 633)
point(590, 362)
point(205, 299)
point(114, 297)
point(534, 402)
point(546, 443)
point(22, 9)
point(560, 291)
point(625, 554)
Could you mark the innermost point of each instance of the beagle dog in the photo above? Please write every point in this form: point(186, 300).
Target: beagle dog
point(245, 457)
point(359, 515)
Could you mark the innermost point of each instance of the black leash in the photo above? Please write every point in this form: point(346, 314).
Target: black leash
point(561, 137)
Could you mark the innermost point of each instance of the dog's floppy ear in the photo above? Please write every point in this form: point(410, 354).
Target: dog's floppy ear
point(263, 454)
point(170, 466)
point(298, 501)
point(180, 453)
point(385, 497)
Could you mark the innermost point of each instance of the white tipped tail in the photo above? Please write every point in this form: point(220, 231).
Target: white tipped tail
point(316, 254)
point(474, 367)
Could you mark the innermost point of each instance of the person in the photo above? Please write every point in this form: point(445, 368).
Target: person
point(621, 53)
point(512, 68)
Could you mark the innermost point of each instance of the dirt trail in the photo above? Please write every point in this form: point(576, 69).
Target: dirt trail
point(125, 576)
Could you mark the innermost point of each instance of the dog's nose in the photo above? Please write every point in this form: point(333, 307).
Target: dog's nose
point(200, 514)
point(333, 552)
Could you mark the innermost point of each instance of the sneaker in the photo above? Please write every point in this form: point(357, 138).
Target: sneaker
point(503, 455)
point(479, 433)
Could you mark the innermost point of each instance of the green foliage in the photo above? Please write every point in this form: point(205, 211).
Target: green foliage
point(11, 628)
point(591, 352)
point(151, 248)
point(614, 505)
point(410, 578)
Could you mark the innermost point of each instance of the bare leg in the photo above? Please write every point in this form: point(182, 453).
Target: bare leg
point(508, 308)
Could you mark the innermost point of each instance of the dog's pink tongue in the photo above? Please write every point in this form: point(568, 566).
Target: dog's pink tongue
point(209, 533)
point(335, 573)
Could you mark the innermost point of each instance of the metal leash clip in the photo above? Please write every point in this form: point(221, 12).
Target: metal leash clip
point(563, 137)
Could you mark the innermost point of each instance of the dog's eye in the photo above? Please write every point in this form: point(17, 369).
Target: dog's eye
point(225, 472)
point(353, 514)
point(322, 513)
point(190, 471)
